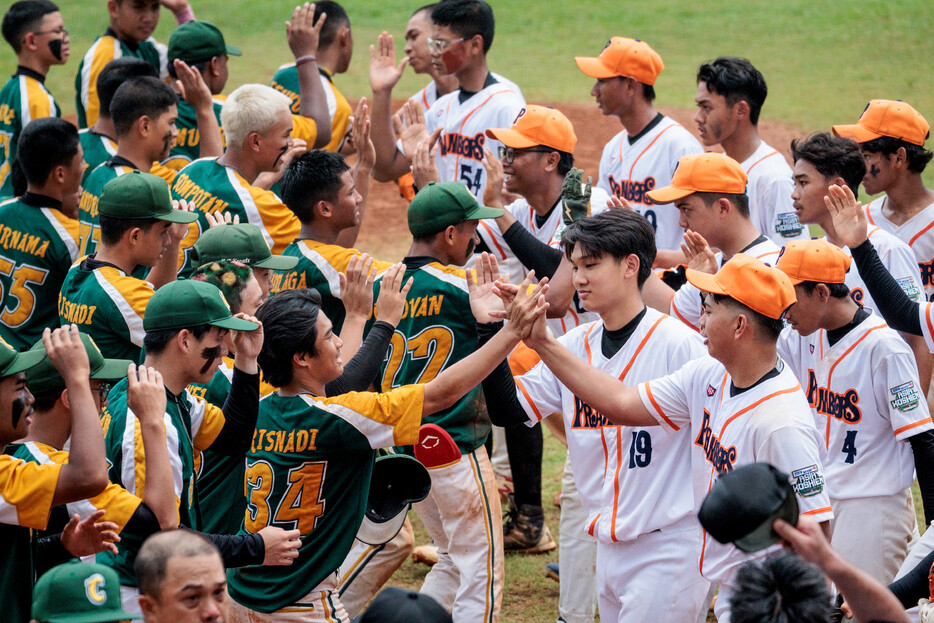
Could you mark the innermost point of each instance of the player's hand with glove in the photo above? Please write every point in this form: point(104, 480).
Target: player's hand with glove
point(281, 546)
point(575, 196)
point(699, 254)
point(390, 304)
point(849, 218)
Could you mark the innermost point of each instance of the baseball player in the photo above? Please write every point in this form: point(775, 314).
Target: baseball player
point(36, 32)
point(891, 136)
point(862, 385)
point(742, 404)
point(730, 94)
point(644, 155)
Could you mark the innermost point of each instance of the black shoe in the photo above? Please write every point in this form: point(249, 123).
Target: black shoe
point(552, 571)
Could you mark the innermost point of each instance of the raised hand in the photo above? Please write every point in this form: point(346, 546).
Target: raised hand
point(192, 86)
point(700, 256)
point(390, 305)
point(248, 343)
point(384, 72)
point(525, 315)
point(281, 546)
point(616, 202)
point(84, 537)
point(303, 32)
point(221, 218)
point(65, 350)
point(483, 299)
point(576, 196)
point(493, 193)
point(411, 129)
point(178, 231)
point(360, 137)
point(357, 286)
point(145, 394)
point(424, 169)
point(849, 218)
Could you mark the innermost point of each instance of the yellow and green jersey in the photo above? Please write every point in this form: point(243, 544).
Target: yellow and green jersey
point(286, 81)
point(38, 244)
point(22, 99)
point(98, 149)
point(187, 146)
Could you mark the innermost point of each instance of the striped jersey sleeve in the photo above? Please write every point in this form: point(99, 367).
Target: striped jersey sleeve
point(387, 419)
point(26, 492)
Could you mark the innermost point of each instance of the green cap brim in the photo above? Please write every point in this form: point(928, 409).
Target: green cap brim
point(113, 369)
point(177, 216)
point(234, 324)
point(95, 617)
point(23, 361)
point(482, 212)
point(233, 50)
point(278, 262)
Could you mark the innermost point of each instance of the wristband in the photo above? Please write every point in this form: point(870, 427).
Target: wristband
point(305, 59)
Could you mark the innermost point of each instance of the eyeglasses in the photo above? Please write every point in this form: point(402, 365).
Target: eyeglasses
point(438, 46)
point(102, 390)
point(59, 32)
point(508, 154)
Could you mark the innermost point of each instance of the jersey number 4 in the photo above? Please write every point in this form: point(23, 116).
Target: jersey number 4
point(299, 507)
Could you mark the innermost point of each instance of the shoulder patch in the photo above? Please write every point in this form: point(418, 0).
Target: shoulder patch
point(807, 481)
point(905, 397)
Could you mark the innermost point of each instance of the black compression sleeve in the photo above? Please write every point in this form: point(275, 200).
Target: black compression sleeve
point(238, 550)
point(499, 388)
point(913, 585)
point(143, 521)
point(240, 411)
point(533, 253)
point(922, 446)
point(50, 552)
point(361, 371)
point(899, 311)
point(524, 445)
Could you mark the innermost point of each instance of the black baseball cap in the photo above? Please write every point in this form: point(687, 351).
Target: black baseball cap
point(397, 605)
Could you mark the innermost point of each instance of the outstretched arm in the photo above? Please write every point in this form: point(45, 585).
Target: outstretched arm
point(198, 95)
point(302, 32)
point(384, 75)
point(366, 158)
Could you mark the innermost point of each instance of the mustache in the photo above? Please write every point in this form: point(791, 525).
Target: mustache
point(20, 408)
point(209, 355)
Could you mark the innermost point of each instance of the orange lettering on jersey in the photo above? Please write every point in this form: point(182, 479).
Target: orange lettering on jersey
point(434, 304)
point(288, 281)
point(292, 95)
point(257, 439)
point(7, 114)
point(586, 416)
point(843, 406)
point(75, 313)
point(721, 458)
point(186, 189)
point(88, 204)
point(301, 441)
point(632, 190)
point(290, 443)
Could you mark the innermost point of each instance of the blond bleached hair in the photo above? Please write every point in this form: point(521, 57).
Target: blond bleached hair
point(251, 108)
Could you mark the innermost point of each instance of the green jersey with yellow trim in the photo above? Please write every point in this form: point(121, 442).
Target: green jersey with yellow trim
point(187, 146)
point(309, 469)
point(89, 231)
point(339, 110)
point(38, 244)
point(22, 99)
point(98, 149)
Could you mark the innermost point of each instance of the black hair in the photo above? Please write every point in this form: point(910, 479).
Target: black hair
point(155, 341)
point(832, 156)
point(290, 326)
point(427, 7)
point(467, 18)
point(771, 326)
point(201, 67)
point(144, 96)
point(618, 233)
point(736, 79)
point(837, 290)
point(312, 177)
point(44, 402)
point(21, 18)
point(565, 163)
point(648, 92)
point(337, 18)
point(115, 73)
point(113, 228)
point(740, 200)
point(780, 589)
point(918, 156)
point(44, 144)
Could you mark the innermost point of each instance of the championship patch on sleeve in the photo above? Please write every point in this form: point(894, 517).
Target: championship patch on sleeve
point(910, 287)
point(906, 397)
point(807, 481)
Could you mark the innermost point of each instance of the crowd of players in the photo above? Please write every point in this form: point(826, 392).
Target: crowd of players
point(180, 274)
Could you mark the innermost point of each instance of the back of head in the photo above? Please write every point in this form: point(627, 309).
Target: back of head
point(153, 558)
point(780, 589)
point(24, 17)
point(115, 73)
point(337, 18)
point(289, 326)
point(230, 277)
point(45, 144)
point(144, 96)
point(832, 156)
point(736, 79)
point(395, 605)
point(251, 108)
point(617, 233)
point(467, 18)
point(312, 177)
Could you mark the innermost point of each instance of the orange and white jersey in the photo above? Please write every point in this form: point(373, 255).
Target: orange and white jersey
point(898, 259)
point(26, 492)
point(632, 480)
point(461, 145)
point(769, 185)
point(687, 305)
point(427, 96)
point(917, 232)
point(866, 400)
point(632, 166)
point(769, 422)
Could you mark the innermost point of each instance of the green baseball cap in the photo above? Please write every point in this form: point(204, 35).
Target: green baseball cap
point(43, 379)
point(186, 303)
point(243, 242)
point(78, 592)
point(141, 195)
point(12, 362)
point(197, 42)
point(441, 204)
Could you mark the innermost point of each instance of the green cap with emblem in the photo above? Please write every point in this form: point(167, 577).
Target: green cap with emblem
point(43, 379)
point(241, 242)
point(441, 204)
point(78, 592)
point(186, 303)
point(198, 42)
point(12, 362)
point(140, 195)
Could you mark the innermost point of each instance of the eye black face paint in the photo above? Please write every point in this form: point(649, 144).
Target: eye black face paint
point(209, 355)
point(874, 170)
point(19, 408)
point(55, 46)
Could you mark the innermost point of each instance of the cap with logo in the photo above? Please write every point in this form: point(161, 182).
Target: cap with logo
point(197, 42)
point(813, 260)
point(630, 58)
point(891, 118)
point(44, 379)
point(12, 362)
point(398, 481)
point(702, 173)
point(186, 303)
point(745, 502)
point(78, 592)
point(441, 204)
point(745, 279)
point(398, 605)
point(242, 242)
point(538, 125)
point(140, 195)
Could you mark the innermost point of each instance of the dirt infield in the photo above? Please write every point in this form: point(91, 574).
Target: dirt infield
point(385, 234)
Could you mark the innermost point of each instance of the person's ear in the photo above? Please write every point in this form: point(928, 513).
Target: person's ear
point(64, 399)
point(741, 109)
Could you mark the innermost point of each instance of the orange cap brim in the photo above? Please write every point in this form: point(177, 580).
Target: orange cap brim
point(510, 138)
point(856, 132)
point(705, 282)
point(592, 67)
point(668, 194)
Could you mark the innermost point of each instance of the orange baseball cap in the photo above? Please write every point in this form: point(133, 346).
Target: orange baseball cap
point(745, 279)
point(626, 57)
point(538, 125)
point(892, 118)
point(813, 260)
point(702, 173)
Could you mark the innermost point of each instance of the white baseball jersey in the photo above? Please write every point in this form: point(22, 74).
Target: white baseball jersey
point(898, 259)
point(632, 480)
point(917, 232)
point(768, 422)
point(769, 185)
point(427, 96)
point(630, 168)
point(864, 393)
point(461, 145)
point(687, 305)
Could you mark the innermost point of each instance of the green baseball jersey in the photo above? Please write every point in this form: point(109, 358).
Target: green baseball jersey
point(38, 244)
point(98, 149)
point(22, 99)
point(187, 146)
point(437, 329)
point(190, 425)
point(89, 231)
point(309, 469)
point(285, 81)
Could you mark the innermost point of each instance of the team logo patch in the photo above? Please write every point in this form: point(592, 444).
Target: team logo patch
point(906, 397)
point(910, 287)
point(711, 391)
point(787, 225)
point(94, 589)
point(811, 346)
point(807, 482)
